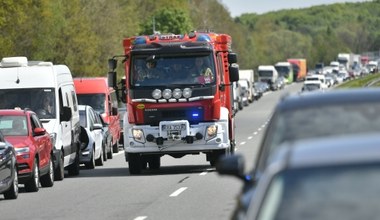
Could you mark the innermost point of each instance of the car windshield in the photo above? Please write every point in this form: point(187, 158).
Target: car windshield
point(321, 121)
point(96, 101)
point(83, 118)
point(283, 70)
point(40, 100)
point(343, 192)
point(159, 70)
point(13, 125)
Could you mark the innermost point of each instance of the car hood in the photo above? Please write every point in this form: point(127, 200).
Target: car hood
point(18, 141)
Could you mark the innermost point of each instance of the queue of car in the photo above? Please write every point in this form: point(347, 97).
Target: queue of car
point(43, 130)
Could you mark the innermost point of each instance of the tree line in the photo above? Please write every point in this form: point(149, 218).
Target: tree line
point(83, 34)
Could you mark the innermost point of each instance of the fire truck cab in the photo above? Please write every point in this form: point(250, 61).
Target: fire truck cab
point(179, 97)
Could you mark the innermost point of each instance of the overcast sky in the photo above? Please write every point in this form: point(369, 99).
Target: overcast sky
point(238, 7)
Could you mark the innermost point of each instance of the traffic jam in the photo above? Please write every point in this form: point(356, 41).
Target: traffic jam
point(177, 130)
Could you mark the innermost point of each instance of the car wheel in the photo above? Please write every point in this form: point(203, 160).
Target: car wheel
point(134, 163)
point(110, 153)
point(91, 164)
point(115, 147)
point(75, 167)
point(32, 185)
point(12, 192)
point(105, 152)
point(154, 162)
point(47, 180)
point(59, 172)
point(100, 161)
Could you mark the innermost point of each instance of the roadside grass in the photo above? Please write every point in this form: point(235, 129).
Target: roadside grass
point(360, 82)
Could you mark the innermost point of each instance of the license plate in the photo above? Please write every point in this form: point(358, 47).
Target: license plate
point(179, 127)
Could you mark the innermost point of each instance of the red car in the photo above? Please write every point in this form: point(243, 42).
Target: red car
point(33, 146)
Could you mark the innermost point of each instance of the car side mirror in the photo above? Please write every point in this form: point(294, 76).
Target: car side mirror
point(39, 131)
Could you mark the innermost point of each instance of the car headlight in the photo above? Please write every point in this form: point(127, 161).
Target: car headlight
point(211, 131)
point(167, 94)
point(156, 94)
point(138, 135)
point(177, 93)
point(23, 151)
point(187, 93)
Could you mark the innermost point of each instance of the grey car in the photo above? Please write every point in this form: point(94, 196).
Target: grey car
point(307, 116)
point(321, 179)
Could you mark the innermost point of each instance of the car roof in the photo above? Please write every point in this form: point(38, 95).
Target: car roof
point(332, 97)
point(329, 151)
point(14, 112)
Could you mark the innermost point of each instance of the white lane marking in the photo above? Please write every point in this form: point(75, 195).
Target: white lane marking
point(242, 143)
point(259, 129)
point(141, 218)
point(203, 173)
point(255, 133)
point(263, 126)
point(178, 191)
point(250, 137)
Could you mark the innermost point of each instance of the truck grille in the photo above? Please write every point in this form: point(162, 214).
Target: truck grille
point(154, 116)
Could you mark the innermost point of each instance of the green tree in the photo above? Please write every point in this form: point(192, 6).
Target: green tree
point(168, 20)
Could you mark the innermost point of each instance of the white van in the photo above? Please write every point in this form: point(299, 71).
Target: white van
point(26, 84)
point(318, 77)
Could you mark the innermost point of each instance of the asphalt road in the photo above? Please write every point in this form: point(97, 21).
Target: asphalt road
point(185, 188)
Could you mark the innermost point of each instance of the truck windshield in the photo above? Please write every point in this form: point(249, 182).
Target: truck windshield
point(96, 101)
point(40, 100)
point(167, 70)
point(265, 73)
point(283, 70)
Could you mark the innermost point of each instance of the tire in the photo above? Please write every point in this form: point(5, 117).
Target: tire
point(105, 152)
point(75, 167)
point(100, 161)
point(59, 172)
point(12, 192)
point(32, 185)
point(91, 164)
point(154, 162)
point(47, 180)
point(115, 147)
point(134, 164)
point(215, 155)
point(110, 153)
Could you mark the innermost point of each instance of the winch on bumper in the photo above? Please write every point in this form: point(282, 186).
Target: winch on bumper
point(177, 136)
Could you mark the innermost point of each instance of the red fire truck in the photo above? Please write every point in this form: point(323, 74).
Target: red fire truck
point(179, 97)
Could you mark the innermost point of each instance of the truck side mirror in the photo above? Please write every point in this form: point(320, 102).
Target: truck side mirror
point(112, 63)
point(234, 72)
point(232, 58)
point(112, 79)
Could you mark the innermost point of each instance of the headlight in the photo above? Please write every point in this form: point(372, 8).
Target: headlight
point(186, 93)
point(211, 131)
point(138, 135)
point(167, 94)
point(156, 94)
point(177, 93)
point(23, 151)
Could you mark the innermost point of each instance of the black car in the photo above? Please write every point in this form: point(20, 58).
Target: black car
point(305, 116)
point(322, 179)
point(8, 170)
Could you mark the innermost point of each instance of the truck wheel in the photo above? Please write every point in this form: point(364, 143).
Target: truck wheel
point(215, 155)
point(32, 185)
point(74, 168)
point(59, 172)
point(110, 153)
point(134, 163)
point(47, 180)
point(154, 162)
point(12, 192)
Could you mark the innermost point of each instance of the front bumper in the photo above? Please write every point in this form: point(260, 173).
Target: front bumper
point(193, 140)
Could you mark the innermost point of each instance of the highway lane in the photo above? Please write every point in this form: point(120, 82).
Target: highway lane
point(186, 188)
